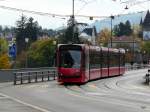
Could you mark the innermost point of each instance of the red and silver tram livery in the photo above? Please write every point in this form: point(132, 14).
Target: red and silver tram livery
point(80, 63)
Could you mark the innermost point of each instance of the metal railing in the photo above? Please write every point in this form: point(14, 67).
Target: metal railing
point(34, 76)
point(22, 77)
point(135, 67)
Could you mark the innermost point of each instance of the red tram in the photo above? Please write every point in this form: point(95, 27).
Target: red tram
point(80, 63)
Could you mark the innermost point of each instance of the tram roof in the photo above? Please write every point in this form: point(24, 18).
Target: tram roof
point(97, 48)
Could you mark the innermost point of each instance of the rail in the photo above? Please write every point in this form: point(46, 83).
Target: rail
point(135, 67)
point(22, 77)
point(34, 76)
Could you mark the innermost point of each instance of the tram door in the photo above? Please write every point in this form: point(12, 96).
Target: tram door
point(95, 66)
point(86, 64)
point(105, 62)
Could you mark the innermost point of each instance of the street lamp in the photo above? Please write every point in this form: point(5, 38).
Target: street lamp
point(73, 18)
point(111, 17)
point(55, 53)
point(133, 55)
point(26, 40)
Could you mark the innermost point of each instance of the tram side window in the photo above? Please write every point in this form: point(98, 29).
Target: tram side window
point(105, 60)
point(94, 60)
point(113, 60)
point(122, 59)
point(91, 59)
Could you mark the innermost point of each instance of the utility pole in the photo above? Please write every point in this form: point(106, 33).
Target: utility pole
point(73, 18)
point(111, 17)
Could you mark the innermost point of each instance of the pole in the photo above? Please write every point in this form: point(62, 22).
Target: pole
point(133, 48)
point(73, 18)
point(111, 34)
point(73, 8)
point(26, 40)
point(111, 17)
point(26, 57)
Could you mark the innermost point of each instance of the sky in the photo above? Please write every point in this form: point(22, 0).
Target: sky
point(64, 7)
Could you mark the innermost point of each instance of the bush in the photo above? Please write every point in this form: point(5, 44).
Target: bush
point(4, 62)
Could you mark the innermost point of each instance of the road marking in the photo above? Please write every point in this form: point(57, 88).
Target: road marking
point(24, 103)
point(32, 86)
point(2, 98)
point(94, 93)
point(121, 103)
point(89, 98)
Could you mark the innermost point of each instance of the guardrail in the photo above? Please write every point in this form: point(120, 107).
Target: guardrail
point(23, 76)
point(135, 67)
point(34, 76)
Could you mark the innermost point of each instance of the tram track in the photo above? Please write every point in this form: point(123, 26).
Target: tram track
point(115, 94)
point(105, 85)
point(113, 89)
point(124, 91)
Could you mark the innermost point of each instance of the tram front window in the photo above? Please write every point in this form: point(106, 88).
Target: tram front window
point(70, 59)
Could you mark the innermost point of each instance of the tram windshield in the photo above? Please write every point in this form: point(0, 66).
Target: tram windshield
point(70, 58)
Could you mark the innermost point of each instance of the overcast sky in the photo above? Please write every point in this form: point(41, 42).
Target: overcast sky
point(64, 7)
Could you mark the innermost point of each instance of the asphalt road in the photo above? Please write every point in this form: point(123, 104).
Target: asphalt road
point(126, 93)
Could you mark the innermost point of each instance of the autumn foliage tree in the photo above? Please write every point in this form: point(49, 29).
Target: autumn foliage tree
point(4, 62)
point(4, 59)
point(104, 37)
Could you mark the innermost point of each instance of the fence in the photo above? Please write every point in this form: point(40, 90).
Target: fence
point(34, 76)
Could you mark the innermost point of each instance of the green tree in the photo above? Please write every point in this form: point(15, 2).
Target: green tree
point(32, 30)
point(128, 30)
point(145, 50)
point(1, 29)
point(146, 47)
point(26, 28)
point(71, 34)
point(21, 34)
point(123, 29)
point(41, 53)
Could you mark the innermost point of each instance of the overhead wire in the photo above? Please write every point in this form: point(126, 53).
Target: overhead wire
point(135, 2)
point(85, 4)
point(45, 14)
point(53, 14)
point(132, 3)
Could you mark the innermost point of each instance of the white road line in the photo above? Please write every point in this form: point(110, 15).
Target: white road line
point(94, 93)
point(24, 103)
point(121, 103)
